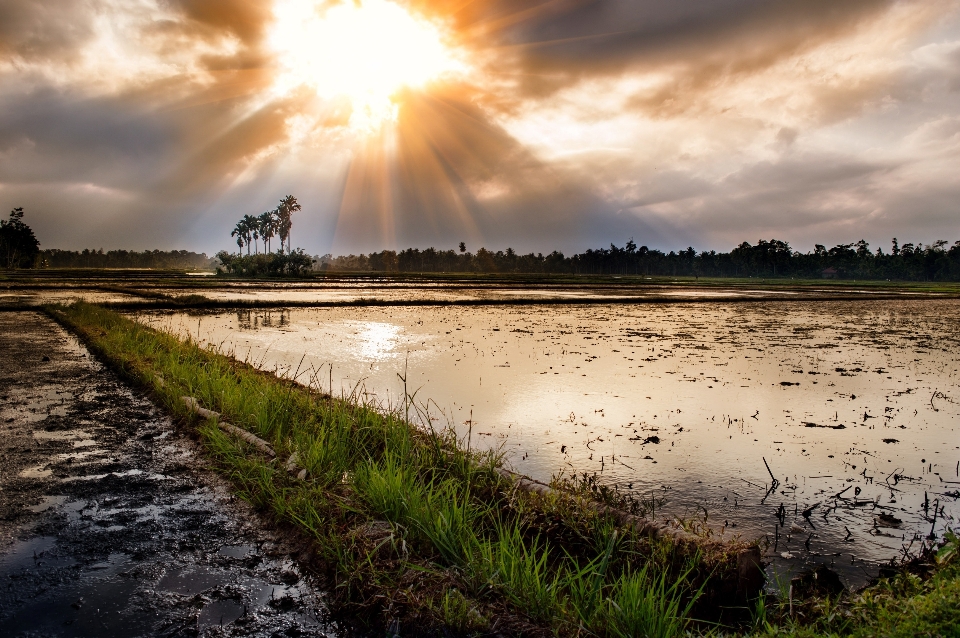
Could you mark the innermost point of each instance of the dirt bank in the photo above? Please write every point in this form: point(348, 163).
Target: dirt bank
point(108, 523)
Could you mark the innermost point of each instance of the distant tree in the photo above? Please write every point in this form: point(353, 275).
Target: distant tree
point(463, 247)
point(19, 247)
point(163, 259)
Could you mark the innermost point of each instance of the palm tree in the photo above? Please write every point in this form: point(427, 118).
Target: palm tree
point(250, 226)
point(268, 227)
point(288, 206)
point(240, 232)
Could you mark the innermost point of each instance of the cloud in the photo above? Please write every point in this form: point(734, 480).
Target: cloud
point(579, 123)
point(245, 19)
point(555, 44)
point(49, 30)
point(48, 135)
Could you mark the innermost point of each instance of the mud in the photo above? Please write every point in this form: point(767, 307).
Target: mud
point(109, 523)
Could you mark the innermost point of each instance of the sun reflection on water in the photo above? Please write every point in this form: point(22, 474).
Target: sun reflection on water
point(376, 340)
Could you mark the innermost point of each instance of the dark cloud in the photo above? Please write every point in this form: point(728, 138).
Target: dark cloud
point(49, 135)
point(556, 43)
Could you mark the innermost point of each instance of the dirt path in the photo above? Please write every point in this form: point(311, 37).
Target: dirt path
point(108, 524)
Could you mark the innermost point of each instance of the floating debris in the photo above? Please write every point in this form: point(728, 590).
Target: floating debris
point(810, 424)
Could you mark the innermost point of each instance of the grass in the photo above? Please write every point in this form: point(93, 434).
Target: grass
point(455, 546)
point(921, 601)
point(413, 526)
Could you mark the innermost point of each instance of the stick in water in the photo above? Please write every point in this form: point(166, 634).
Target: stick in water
point(772, 477)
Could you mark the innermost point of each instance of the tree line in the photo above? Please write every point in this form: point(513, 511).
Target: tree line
point(159, 259)
point(773, 258)
point(938, 261)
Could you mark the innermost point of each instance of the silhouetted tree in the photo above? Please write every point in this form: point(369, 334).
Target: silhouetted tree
point(18, 245)
point(267, 223)
point(250, 228)
point(288, 206)
point(240, 234)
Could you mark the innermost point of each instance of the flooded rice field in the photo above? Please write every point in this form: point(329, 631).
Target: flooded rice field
point(65, 295)
point(145, 288)
point(390, 291)
point(829, 429)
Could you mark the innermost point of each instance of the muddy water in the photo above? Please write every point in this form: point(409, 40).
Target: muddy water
point(853, 406)
point(345, 291)
point(65, 295)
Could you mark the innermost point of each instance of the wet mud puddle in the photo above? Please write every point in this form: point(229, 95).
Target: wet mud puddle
point(107, 527)
point(853, 406)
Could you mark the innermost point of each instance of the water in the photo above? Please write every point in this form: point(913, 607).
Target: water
point(679, 401)
point(359, 290)
point(64, 295)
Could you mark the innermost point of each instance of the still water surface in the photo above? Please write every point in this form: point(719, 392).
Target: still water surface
point(682, 402)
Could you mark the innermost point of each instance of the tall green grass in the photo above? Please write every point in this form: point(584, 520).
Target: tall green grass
point(457, 525)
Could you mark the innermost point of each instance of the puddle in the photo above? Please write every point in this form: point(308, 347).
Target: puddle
point(126, 473)
point(79, 456)
point(220, 613)
point(48, 503)
point(237, 551)
point(189, 581)
point(272, 594)
point(62, 435)
point(25, 554)
point(37, 472)
point(682, 402)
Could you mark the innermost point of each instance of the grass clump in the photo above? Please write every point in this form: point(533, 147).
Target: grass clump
point(412, 525)
point(922, 598)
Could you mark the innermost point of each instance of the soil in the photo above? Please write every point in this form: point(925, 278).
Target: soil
point(110, 525)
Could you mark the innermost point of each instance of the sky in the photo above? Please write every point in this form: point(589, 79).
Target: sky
point(534, 124)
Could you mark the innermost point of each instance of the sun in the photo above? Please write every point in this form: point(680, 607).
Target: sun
point(365, 51)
